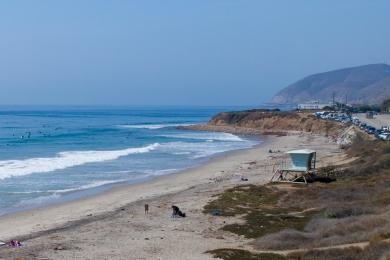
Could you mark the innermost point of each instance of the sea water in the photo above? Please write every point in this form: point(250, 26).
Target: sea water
point(51, 154)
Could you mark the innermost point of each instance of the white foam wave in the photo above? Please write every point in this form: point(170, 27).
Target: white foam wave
point(96, 184)
point(196, 150)
point(25, 192)
point(153, 127)
point(37, 200)
point(87, 186)
point(63, 160)
point(209, 137)
point(161, 172)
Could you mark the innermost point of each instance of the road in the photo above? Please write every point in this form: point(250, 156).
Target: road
point(378, 121)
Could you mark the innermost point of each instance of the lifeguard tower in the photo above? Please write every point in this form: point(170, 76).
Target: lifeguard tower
point(302, 168)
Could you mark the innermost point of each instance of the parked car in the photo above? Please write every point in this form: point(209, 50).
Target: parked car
point(362, 126)
point(386, 129)
point(385, 136)
point(378, 132)
point(370, 130)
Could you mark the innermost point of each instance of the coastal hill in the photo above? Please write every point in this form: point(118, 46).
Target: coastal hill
point(270, 122)
point(263, 121)
point(368, 84)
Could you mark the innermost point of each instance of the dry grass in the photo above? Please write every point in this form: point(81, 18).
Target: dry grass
point(237, 254)
point(374, 156)
point(373, 251)
point(352, 210)
point(355, 208)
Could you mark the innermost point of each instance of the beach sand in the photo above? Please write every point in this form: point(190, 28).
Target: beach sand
point(112, 225)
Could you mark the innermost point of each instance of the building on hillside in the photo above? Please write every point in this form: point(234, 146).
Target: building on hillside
point(313, 105)
point(386, 106)
point(370, 114)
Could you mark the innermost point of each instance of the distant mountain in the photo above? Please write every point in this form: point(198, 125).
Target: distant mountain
point(362, 85)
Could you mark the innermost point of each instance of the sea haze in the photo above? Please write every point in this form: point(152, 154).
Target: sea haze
point(48, 155)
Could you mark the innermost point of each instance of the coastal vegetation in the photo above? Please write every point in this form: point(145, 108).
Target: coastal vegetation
point(270, 122)
point(258, 206)
point(234, 254)
point(347, 218)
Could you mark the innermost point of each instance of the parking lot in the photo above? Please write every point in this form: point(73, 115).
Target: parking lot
point(378, 126)
point(378, 121)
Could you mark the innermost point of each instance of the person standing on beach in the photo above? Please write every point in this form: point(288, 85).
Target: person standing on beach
point(146, 209)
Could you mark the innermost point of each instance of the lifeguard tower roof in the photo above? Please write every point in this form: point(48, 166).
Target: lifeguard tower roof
point(302, 151)
point(302, 160)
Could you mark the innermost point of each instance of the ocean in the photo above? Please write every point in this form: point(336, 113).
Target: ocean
point(54, 154)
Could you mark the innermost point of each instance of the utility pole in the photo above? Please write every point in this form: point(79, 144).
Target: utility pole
point(333, 104)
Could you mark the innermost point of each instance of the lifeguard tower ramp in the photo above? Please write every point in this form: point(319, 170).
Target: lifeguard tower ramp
point(302, 168)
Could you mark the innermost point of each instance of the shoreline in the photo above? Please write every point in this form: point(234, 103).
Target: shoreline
point(113, 224)
point(114, 190)
point(100, 190)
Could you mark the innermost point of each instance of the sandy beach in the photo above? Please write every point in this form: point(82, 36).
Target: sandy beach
point(112, 225)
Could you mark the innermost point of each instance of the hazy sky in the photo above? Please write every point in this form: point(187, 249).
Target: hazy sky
point(184, 52)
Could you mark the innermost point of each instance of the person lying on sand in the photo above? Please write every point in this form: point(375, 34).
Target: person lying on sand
point(176, 212)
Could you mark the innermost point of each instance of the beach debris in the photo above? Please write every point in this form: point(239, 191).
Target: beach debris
point(59, 247)
point(251, 163)
point(56, 237)
point(216, 212)
point(14, 243)
point(218, 176)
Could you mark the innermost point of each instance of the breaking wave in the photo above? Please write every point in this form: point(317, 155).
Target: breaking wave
point(63, 160)
point(225, 137)
point(152, 127)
